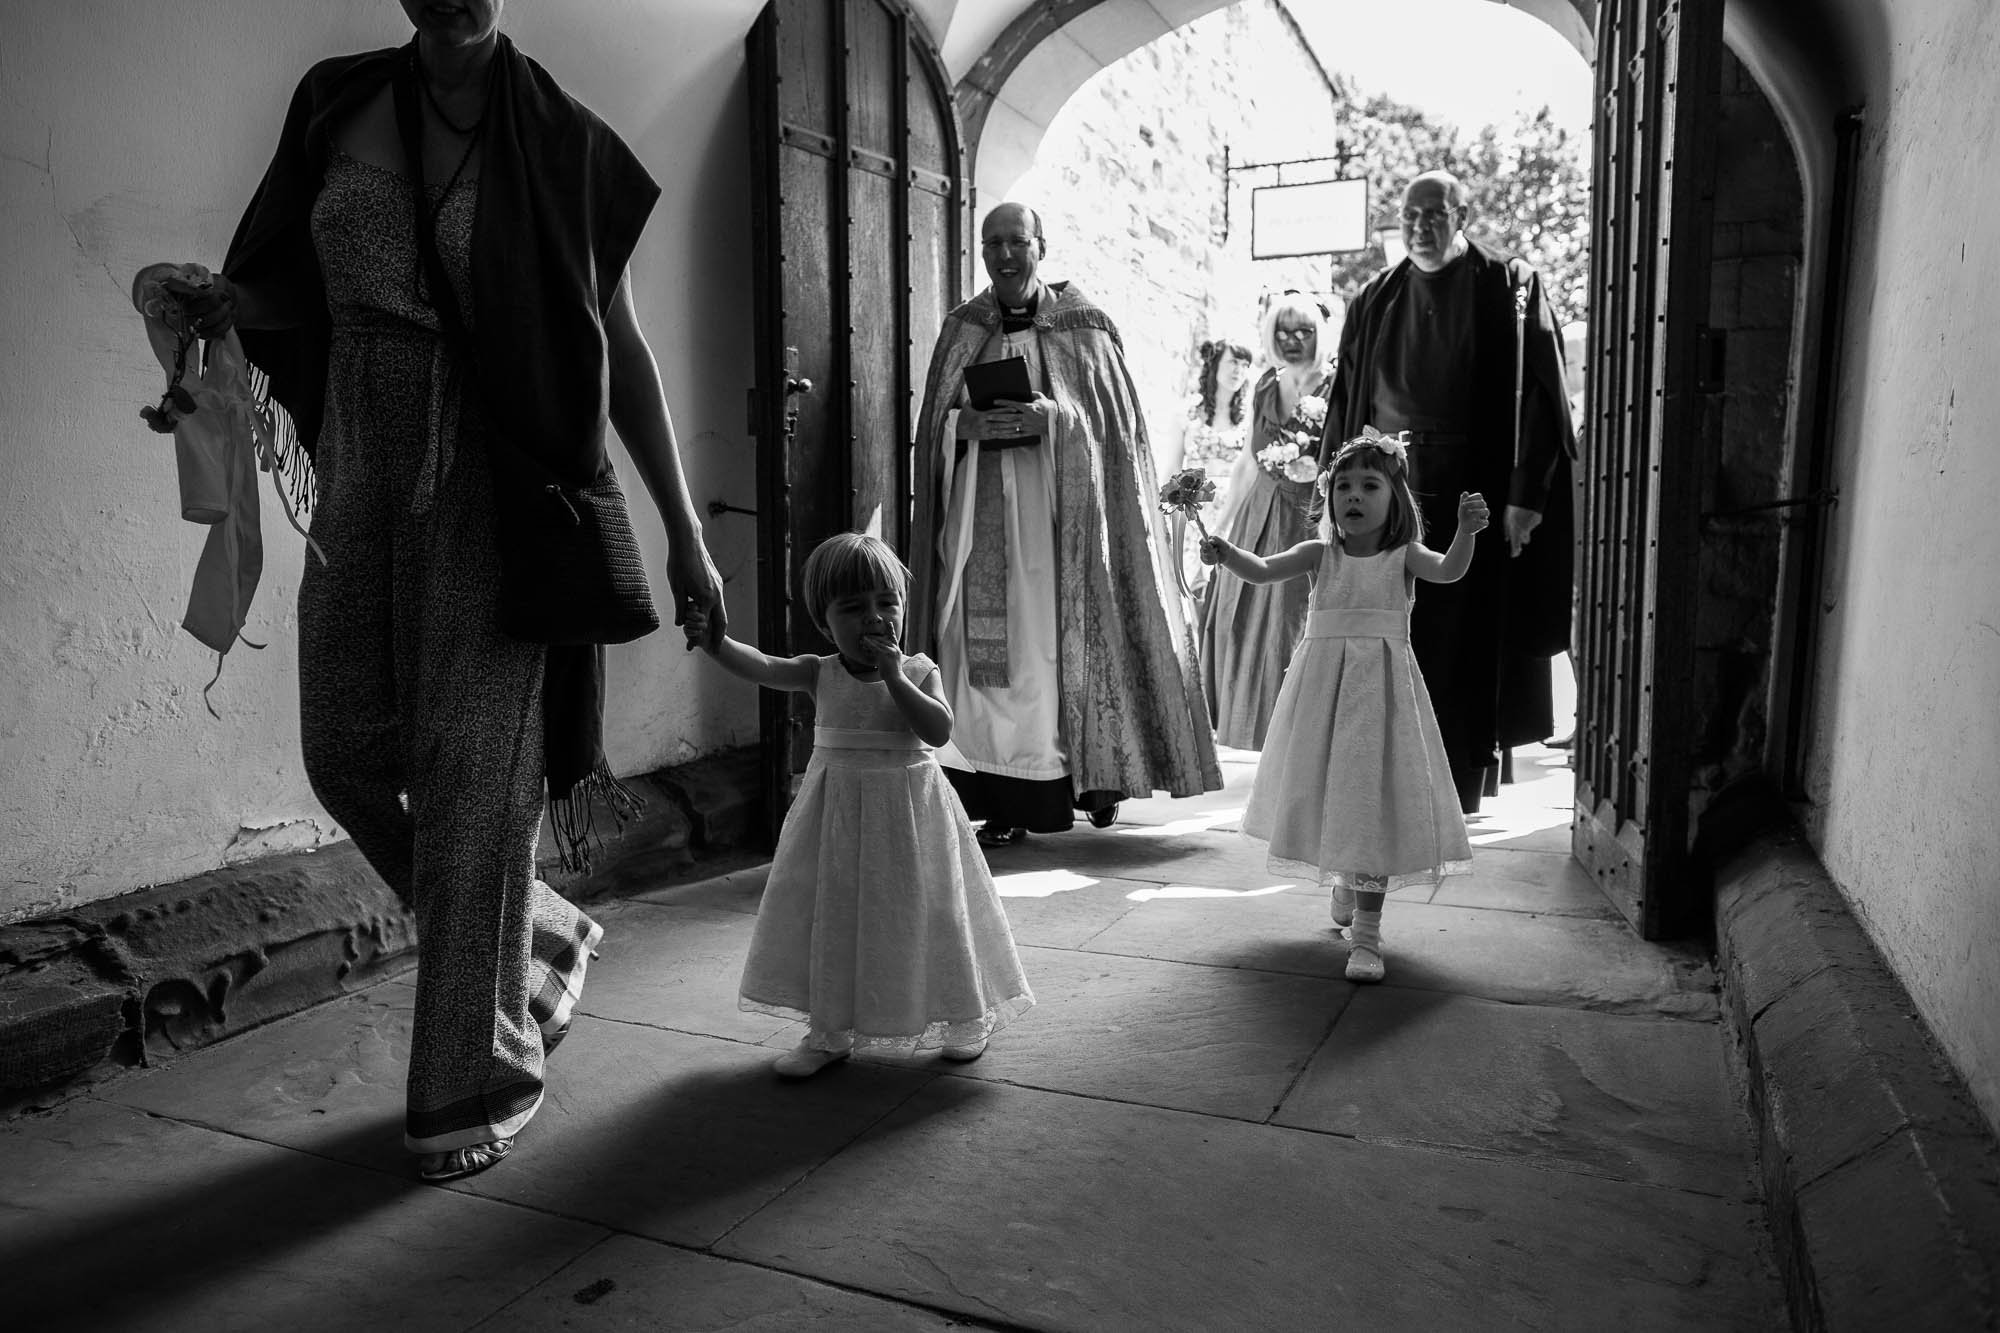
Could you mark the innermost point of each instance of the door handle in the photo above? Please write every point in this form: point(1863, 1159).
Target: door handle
point(793, 386)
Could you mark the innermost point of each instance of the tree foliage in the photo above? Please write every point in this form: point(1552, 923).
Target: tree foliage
point(1529, 185)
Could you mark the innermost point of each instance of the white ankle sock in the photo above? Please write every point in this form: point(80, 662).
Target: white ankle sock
point(1364, 952)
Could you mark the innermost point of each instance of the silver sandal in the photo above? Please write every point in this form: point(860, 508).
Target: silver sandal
point(467, 1161)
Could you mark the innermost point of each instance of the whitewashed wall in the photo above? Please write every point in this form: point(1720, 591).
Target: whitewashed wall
point(135, 132)
point(1905, 765)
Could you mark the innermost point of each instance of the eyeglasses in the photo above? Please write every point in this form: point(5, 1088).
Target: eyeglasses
point(1429, 217)
point(1291, 335)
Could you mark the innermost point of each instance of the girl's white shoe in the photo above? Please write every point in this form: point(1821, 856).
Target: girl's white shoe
point(1365, 964)
point(1343, 905)
point(803, 1061)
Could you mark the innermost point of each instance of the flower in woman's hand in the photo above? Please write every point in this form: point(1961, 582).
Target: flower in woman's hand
point(1312, 411)
point(1303, 468)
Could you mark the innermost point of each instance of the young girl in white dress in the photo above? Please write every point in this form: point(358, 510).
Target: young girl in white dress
point(1353, 788)
point(880, 925)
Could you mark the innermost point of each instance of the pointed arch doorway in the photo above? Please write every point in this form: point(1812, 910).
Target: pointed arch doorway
point(858, 219)
point(1655, 64)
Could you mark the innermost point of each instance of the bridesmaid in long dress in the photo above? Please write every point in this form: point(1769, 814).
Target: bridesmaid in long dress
point(1212, 435)
point(1248, 631)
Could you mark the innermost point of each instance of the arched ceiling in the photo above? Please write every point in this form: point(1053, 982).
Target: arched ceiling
point(1018, 63)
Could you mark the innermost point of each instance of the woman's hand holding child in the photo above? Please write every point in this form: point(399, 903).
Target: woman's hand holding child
point(694, 624)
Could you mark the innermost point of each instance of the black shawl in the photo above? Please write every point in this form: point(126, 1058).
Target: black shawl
point(561, 204)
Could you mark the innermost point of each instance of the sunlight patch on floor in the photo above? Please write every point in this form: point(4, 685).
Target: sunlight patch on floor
point(1200, 823)
point(1544, 799)
point(1194, 891)
point(1040, 883)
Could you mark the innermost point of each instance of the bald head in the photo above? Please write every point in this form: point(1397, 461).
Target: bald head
point(1012, 215)
point(1011, 245)
point(1434, 212)
point(1437, 183)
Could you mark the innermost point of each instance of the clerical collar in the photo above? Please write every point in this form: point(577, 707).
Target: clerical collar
point(1023, 311)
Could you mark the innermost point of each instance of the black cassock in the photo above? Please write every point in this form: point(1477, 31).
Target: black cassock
point(1436, 354)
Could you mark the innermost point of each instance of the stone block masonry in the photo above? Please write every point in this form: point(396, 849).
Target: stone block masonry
point(136, 979)
point(1881, 1176)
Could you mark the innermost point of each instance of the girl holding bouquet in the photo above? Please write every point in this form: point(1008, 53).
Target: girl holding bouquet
point(1355, 791)
point(1248, 630)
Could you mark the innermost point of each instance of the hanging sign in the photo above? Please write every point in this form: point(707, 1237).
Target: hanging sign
point(1316, 218)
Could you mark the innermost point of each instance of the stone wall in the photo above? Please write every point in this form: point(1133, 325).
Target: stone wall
point(1131, 182)
point(1753, 308)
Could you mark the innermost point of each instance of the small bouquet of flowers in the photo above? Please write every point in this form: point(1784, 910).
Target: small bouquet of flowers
point(1186, 492)
point(1294, 454)
point(164, 311)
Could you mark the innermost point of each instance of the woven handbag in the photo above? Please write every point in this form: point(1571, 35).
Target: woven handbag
point(570, 570)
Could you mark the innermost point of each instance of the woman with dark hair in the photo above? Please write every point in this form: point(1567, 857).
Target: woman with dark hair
point(1212, 433)
point(433, 275)
point(1248, 630)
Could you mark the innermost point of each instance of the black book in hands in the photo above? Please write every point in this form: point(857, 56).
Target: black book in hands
point(991, 383)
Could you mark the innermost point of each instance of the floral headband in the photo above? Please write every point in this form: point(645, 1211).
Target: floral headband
point(1397, 446)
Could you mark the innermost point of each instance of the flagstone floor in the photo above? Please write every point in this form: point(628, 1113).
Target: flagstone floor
point(1532, 1125)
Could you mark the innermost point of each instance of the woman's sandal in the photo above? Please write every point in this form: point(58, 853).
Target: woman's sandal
point(467, 1161)
point(991, 836)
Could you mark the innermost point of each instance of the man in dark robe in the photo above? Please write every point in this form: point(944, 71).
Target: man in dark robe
point(1457, 345)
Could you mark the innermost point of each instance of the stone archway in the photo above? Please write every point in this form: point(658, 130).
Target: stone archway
point(1745, 442)
point(1008, 97)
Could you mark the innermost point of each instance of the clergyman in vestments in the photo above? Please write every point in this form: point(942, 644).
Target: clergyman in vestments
point(1041, 582)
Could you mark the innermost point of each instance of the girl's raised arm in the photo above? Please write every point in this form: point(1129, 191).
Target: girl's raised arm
point(1251, 568)
point(798, 674)
point(1450, 567)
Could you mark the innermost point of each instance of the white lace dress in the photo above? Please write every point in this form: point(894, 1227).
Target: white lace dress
point(1353, 779)
point(880, 923)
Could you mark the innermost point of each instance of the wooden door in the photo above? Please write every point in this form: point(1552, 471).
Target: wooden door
point(1651, 212)
point(858, 227)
